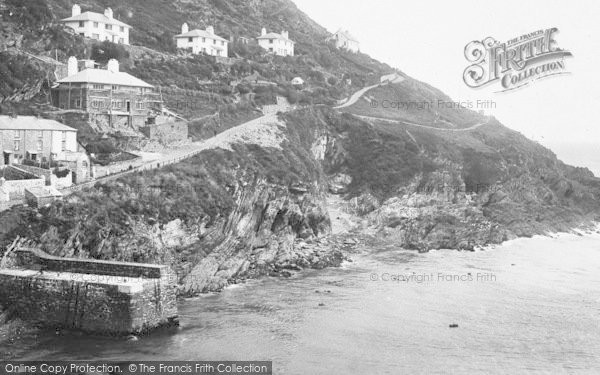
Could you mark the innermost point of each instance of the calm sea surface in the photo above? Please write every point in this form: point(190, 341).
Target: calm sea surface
point(528, 306)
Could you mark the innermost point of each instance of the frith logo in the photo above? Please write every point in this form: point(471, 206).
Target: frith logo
point(515, 63)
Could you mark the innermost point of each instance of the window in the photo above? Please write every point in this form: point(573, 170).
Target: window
point(115, 87)
point(17, 143)
point(98, 86)
point(121, 41)
point(81, 23)
point(122, 29)
point(63, 145)
point(222, 42)
point(95, 25)
point(270, 41)
point(190, 39)
point(203, 40)
point(64, 135)
point(17, 134)
point(40, 145)
point(214, 41)
point(108, 27)
point(96, 36)
point(78, 103)
point(40, 134)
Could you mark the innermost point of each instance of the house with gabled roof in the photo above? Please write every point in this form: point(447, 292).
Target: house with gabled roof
point(277, 44)
point(36, 139)
point(98, 26)
point(118, 99)
point(202, 41)
point(344, 40)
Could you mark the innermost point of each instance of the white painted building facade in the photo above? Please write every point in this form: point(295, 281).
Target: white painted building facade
point(98, 26)
point(345, 40)
point(277, 44)
point(202, 41)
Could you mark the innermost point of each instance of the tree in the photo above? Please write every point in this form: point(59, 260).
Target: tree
point(102, 52)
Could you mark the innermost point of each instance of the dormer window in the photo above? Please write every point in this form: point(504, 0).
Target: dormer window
point(108, 27)
point(81, 23)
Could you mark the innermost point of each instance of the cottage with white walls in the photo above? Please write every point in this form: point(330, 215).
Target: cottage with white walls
point(98, 26)
point(345, 40)
point(202, 41)
point(277, 44)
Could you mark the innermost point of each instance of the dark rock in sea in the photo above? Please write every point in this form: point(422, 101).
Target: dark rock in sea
point(321, 304)
point(453, 326)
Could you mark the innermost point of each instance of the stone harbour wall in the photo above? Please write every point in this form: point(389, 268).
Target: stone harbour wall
point(108, 298)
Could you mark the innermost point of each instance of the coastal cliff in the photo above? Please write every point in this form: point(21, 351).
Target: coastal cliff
point(258, 206)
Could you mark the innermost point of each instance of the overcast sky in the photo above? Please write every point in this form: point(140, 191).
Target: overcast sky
point(426, 40)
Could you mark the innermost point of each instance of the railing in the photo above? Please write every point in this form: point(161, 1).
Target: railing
point(154, 164)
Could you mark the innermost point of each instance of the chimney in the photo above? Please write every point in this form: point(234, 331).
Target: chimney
point(108, 13)
point(210, 30)
point(184, 28)
point(113, 66)
point(71, 66)
point(76, 10)
point(263, 31)
point(285, 34)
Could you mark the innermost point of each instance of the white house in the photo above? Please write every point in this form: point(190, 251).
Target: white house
point(277, 44)
point(297, 81)
point(202, 41)
point(98, 26)
point(28, 137)
point(345, 40)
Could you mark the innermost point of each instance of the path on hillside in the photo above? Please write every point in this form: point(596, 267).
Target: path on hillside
point(359, 94)
point(260, 131)
point(356, 96)
point(473, 127)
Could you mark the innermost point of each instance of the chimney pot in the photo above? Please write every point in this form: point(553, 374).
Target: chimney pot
point(76, 10)
point(71, 66)
point(108, 12)
point(263, 31)
point(113, 66)
point(210, 30)
point(184, 28)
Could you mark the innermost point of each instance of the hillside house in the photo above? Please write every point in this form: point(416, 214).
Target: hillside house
point(118, 99)
point(98, 26)
point(297, 81)
point(277, 44)
point(344, 40)
point(202, 41)
point(36, 139)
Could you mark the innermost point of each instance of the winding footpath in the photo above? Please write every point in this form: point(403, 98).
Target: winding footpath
point(397, 79)
point(473, 127)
